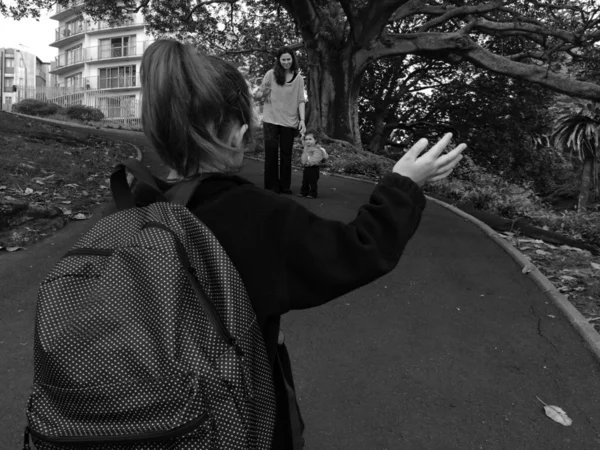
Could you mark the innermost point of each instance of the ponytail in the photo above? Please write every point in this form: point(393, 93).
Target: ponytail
point(190, 104)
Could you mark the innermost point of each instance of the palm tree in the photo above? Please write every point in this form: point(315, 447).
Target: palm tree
point(577, 128)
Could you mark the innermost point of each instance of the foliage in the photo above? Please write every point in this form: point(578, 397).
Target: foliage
point(525, 39)
point(577, 128)
point(84, 113)
point(33, 107)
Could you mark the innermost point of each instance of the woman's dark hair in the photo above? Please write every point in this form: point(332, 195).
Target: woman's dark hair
point(190, 104)
point(279, 71)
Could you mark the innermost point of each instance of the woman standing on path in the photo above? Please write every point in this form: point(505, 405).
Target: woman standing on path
point(282, 90)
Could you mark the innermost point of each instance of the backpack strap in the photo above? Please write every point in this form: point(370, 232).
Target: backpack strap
point(284, 366)
point(182, 192)
point(120, 188)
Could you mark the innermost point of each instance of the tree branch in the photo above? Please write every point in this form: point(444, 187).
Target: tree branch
point(458, 12)
point(374, 18)
point(444, 45)
point(204, 3)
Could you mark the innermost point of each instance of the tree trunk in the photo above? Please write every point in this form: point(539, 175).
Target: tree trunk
point(333, 88)
point(587, 173)
point(382, 131)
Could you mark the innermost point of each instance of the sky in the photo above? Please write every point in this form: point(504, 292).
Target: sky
point(34, 36)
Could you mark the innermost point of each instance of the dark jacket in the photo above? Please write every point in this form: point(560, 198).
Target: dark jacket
point(277, 245)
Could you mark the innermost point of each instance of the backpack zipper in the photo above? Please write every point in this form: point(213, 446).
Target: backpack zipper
point(191, 274)
point(208, 306)
point(154, 436)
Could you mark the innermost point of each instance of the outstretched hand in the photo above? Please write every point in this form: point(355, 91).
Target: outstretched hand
point(430, 166)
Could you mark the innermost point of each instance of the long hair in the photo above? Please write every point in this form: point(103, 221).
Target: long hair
point(190, 104)
point(278, 69)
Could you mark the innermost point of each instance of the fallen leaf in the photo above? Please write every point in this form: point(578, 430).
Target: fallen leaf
point(28, 191)
point(10, 199)
point(542, 252)
point(567, 278)
point(528, 268)
point(66, 202)
point(551, 316)
point(40, 182)
point(2, 188)
point(85, 193)
point(556, 413)
point(79, 216)
point(14, 249)
point(595, 265)
point(526, 247)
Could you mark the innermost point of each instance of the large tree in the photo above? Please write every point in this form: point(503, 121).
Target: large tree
point(343, 37)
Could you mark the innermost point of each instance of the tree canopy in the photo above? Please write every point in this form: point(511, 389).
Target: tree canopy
point(530, 40)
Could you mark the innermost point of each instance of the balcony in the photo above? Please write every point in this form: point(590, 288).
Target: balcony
point(65, 11)
point(118, 53)
point(66, 34)
point(76, 58)
point(122, 81)
point(71, 60)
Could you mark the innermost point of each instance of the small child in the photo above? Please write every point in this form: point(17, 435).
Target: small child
point(311, 158)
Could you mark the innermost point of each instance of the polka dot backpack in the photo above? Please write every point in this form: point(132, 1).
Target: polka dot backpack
point(145, 338)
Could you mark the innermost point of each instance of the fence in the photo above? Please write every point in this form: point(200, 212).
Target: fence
point(122, 108)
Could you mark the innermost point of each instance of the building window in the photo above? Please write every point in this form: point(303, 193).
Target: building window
point(116, 77)
point(21, 63)
point(117, 47)
point(73, 27)
point(117, 107)
point(9, 61)
point(74, 55)
point(8, 83)
point(74, 80)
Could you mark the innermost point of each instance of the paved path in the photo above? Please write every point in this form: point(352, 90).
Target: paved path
point(446, 352)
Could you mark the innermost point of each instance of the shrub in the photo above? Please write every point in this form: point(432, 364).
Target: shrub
point(34, 107)
point(85, 113)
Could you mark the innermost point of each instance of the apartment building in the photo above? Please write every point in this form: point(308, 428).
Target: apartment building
point(22, 75)
point(98, 64)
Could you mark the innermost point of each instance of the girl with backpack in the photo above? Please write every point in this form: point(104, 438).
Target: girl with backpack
point(130, 349)
point(196, 113)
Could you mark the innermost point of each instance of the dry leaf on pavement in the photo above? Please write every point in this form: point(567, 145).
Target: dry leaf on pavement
point(556, 413)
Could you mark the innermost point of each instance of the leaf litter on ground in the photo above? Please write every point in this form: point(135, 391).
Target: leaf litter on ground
point(59, 167)
point(575, 272)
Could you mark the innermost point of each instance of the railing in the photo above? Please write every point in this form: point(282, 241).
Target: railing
point(72, 4)
point(109, 51)
point(99, 53)
point(121, 109)
point(40, 73)
point(69, 58)
point(99, 83)
point(79, 27)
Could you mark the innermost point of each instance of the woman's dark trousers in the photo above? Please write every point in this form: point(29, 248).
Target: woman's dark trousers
point(279, 142)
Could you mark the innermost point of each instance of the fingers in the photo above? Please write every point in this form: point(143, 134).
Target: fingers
point(452, 155)
point(441, 176)
point(417, 149)
point(439, 147)
point(448, 163)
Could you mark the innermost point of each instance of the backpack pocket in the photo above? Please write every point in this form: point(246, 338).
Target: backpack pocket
point(131, 412)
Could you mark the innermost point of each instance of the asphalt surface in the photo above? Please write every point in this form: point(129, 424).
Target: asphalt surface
point(448, 351)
